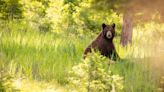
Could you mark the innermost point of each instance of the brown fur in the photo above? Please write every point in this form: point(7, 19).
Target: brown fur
point(104, 45)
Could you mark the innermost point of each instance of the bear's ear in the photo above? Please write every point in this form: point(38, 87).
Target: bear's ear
point(113, 25)
point(103, 25)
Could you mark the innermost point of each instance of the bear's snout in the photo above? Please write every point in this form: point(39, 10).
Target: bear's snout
point(109, 34)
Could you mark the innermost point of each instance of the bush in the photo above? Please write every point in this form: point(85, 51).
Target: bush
point(94, 75)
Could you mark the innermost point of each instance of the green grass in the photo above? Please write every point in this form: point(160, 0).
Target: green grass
point(138, 75)
point(49, 56)
point(39, 55)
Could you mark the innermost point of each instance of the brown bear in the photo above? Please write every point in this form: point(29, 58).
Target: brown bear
point(104, 43)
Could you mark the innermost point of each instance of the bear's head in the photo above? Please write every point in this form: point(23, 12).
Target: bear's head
point(108, 31)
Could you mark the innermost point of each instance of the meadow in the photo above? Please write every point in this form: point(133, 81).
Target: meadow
point(42, 60)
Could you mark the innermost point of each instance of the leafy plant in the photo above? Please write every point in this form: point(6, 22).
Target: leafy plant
point(94, 75)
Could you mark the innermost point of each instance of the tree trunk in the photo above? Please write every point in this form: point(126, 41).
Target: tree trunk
point(127, 29)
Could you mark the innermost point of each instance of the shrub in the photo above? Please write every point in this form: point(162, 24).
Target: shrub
point(94, 75)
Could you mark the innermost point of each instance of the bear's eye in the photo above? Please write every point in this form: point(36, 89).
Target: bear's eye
point(109, 34)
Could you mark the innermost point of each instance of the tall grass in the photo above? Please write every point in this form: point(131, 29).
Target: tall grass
point(46, 56)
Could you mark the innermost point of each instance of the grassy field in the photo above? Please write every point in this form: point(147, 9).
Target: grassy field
point(37, 58)
point(41, 56)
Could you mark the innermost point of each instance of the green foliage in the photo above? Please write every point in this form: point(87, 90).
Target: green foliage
point(71, 16)
point(10, 9)
point(108, 4)
point(78, 17)
point(93, 75)
point(35, 14)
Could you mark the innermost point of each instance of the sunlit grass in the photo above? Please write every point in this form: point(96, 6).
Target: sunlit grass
point(26, 85)
point(41, 56)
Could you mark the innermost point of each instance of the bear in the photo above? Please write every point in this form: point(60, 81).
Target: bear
point(104, 43)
